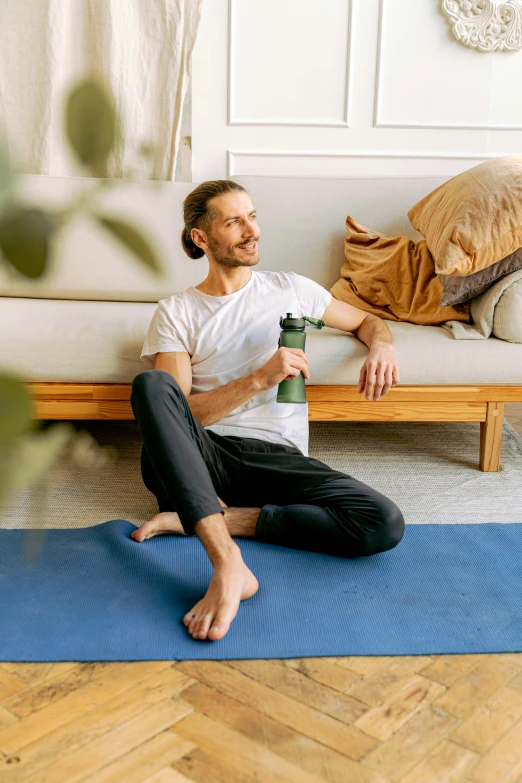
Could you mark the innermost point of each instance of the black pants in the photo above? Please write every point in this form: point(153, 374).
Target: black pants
point(305, 504)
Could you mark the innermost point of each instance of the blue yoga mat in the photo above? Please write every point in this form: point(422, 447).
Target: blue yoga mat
point(94, 594)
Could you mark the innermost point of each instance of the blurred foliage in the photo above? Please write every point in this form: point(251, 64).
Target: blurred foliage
point(28, 451)
point(25, 238)
point(91, 124)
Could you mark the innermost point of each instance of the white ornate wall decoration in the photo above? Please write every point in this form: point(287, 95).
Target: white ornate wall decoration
point(487, 25)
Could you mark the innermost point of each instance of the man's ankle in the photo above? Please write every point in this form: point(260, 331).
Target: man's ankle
point(213, 534)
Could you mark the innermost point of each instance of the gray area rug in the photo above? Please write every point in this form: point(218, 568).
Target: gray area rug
point(429, 469)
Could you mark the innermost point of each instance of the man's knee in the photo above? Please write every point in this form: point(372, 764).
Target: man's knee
point(388, 530)
point(149, 381)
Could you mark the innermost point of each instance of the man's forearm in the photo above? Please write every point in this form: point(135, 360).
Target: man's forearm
point(373, 330)
point(209, 407)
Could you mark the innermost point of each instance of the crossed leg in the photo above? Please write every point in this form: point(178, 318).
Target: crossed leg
point(239, 521)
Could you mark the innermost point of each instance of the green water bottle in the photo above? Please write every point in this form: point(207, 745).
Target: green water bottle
point(293, 335)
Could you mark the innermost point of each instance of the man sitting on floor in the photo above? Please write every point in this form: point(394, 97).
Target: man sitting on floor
point(211, 426)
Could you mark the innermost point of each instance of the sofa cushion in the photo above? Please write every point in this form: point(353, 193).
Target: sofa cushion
point(507, 316)
point(301, 222)
point(100, 342)
point(474, 219)
point(68, 341)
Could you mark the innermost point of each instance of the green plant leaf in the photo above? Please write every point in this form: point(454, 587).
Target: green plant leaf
point(29, 459)
point(91, 122)
point(133, 241)
point(7, 176)
point(147, 150)
point(25, 234)
point(16, 409)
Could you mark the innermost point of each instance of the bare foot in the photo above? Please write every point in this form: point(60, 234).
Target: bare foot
point(162, 524)
point(231, 583)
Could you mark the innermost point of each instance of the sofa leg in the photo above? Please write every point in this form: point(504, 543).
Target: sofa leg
point(491, 437)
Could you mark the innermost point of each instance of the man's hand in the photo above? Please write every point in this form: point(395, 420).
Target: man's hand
point(285, 364)
point(380, 369)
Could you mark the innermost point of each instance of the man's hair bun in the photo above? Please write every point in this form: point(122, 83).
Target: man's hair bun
point(190, 248)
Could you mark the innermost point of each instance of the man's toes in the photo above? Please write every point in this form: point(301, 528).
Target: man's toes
point(187, 620)
point(201, 629)
point(202, 623)
point(218, 629)
point(221, 623)
point(143, 532)
point(194, 623)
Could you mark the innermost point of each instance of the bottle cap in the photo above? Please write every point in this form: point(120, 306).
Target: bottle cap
point(299, 323)
point(291, 323)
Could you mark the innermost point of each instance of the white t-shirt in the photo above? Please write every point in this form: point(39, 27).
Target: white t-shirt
point(231, 336)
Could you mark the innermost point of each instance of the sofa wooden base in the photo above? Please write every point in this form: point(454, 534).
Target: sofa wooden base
point(60, 401)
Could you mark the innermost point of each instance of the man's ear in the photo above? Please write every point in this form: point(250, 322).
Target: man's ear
point(199, 238)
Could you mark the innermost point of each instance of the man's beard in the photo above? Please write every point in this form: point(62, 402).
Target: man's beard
point(225, 257)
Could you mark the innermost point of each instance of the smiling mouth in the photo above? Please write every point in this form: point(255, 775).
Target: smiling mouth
point(249, 247)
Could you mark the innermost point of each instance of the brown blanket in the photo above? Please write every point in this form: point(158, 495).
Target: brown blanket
point(392, 277)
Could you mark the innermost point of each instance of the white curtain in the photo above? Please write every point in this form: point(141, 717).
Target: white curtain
point(141, 51)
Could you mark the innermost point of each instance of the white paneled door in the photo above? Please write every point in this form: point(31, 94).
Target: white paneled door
point(341, 88)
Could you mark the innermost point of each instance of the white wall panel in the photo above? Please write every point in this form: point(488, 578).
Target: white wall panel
point(428, 79)
point(273, 81)
point(289, 163)
point(289, 62)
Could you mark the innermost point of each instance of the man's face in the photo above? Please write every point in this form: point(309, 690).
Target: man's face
point(233, 236)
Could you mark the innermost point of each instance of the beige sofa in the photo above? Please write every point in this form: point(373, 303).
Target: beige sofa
point(75, 337)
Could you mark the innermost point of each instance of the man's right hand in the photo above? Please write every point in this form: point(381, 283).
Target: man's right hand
point(285, 364)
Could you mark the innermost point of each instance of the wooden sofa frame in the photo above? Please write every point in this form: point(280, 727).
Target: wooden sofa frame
point(60, 401)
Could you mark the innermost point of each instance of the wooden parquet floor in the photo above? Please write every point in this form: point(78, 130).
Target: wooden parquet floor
point(405, 719)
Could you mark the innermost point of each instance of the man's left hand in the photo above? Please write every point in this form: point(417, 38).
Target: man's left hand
point(380, 369)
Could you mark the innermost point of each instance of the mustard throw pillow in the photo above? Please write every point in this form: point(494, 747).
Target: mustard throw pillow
point(474, 219)
point(392, 277)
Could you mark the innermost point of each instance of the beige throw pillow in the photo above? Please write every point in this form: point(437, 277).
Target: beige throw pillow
point(475, 219)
